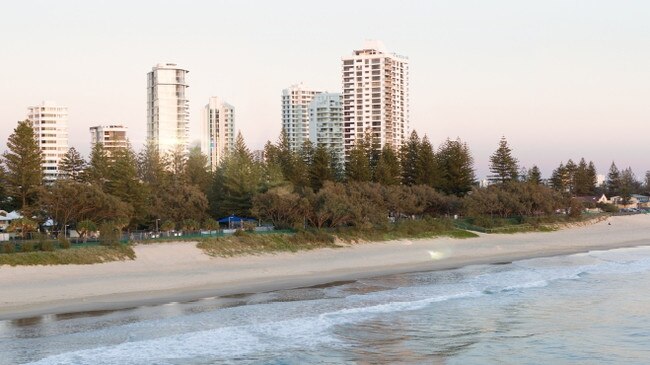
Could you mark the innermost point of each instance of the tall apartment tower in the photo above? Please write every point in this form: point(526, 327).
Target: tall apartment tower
point(295, 114)
point(218, 130)
point(168, 111)
point(326, 123)
point(112, 137)
point(50, 123)
point(375, 96)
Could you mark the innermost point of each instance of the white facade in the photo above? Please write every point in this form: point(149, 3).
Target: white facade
point(258, 156)
point(218, 130)
point(168, 113)
point(326, 123)
point(295, 114)
point(50, 123)
point(375, 96)
point(5, 220)
point(112, 137)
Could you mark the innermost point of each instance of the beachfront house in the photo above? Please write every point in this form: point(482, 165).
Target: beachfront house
point(642, 200)
point(6, 218)
point(634, 201)
point(603, 199)
point(589, 203)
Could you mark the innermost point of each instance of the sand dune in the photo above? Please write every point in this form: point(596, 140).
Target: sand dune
point(179, 271)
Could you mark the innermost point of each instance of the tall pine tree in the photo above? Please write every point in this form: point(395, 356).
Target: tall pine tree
point(123, 182)
point(583, 178)
point(427, 168)
point(357, 167)
point(6, 203)
point(151, 164)
point(72, 165)
point(613, 181)
point(456, 168)
point(196, 170)
point(97, 171)
point(388, 171)
point(503, 165)
point(571, 169)
point(22, 160)
point(534, 176)
point(409, 157)
point(320, 169)
point(629, 184)
point(560, 178)
point(237, 180)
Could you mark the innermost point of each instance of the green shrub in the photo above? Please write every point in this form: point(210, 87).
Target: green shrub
point(85, 227)
point(575, 210)
point(64, 243)
point(608, 208)
point(167, 226)
point(40, 238)
point(210, 224)
point(8, 247)
point(47, 246)
point(189, 225)
point(109, 234)
point(26, 246)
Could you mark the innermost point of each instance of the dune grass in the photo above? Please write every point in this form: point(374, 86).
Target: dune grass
point(424, 228)
point(79, 256)
point(527, 224)
point(254, 244)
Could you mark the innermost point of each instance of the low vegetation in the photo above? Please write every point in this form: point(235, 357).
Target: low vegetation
point(254, 244)
point(520, 224)
point(243, 243)
point(79, 256)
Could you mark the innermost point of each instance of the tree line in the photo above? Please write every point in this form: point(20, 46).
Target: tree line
point(311, 187)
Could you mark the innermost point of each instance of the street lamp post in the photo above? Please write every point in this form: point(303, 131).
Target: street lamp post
point(157, 226)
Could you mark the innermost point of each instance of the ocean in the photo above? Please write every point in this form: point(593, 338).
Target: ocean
point(590, 308)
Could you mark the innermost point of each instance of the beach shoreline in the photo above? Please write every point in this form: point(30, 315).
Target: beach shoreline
point(180, 272)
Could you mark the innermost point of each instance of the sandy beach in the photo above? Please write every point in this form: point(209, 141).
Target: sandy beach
point(172, 272)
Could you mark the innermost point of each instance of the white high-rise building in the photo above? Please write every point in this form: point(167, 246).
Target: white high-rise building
point(375, 96)
point(258, 156)
point(218, 130)
point(112, 137)
point(168, 112)
point(50, 123)
point(326, 123)
point(295, 114)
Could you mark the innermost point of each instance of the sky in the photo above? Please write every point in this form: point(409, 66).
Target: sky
point(559, 79)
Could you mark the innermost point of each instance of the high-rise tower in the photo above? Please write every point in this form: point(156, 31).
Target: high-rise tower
point(218, 130)
point(326, 124)
point(375, 96)
point(111, 137)
point(168, 112)
point(295, 114)
point(50, 123)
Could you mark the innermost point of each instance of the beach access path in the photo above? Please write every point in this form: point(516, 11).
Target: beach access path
point(178, 271)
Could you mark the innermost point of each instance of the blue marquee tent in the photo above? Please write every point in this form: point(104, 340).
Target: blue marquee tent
point(231, 219)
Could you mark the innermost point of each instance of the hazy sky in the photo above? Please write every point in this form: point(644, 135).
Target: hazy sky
point(560, 79)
